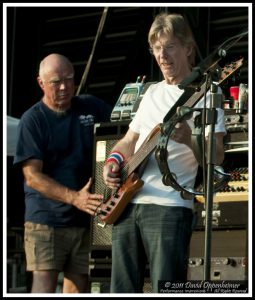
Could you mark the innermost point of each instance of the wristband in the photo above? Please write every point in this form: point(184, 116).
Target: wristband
point(116, 157)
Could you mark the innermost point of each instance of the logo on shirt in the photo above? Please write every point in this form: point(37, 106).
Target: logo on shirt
point(87, 120)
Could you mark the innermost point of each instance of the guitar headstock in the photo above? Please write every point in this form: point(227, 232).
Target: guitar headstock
point(230, 69)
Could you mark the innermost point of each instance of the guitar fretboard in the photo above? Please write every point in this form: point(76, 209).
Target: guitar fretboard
point(140, 155)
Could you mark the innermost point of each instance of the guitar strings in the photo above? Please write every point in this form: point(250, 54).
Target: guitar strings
point(139, 156)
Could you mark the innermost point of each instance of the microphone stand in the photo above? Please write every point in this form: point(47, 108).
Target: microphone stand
point(211, 118)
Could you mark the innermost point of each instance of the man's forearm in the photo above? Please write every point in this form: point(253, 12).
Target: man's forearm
point(50, 188)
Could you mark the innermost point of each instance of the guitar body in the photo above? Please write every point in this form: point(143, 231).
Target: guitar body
point(112, 208)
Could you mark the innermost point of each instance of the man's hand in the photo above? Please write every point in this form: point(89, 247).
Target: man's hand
point(86, 201)
point(111, 175)
point(182, 133)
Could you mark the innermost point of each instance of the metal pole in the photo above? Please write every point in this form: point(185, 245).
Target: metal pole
point(211, 160)
point(98, 35)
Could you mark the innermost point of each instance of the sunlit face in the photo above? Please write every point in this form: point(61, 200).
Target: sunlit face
point(57, 84)
point(172, 58)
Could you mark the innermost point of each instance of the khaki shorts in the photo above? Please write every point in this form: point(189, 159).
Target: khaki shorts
point(62, 249)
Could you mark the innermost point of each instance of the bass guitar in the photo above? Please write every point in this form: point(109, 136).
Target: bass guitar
point(115, 201)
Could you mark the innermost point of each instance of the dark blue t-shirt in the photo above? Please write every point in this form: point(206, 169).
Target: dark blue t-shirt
point(65, 145)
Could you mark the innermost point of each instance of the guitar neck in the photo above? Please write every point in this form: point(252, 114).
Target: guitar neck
point(142, 153)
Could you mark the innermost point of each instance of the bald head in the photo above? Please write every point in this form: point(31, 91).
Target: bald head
point(56, 79)
point(54, 62)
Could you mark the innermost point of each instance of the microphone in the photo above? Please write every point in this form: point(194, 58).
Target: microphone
point(195, 74)
point(198, 71)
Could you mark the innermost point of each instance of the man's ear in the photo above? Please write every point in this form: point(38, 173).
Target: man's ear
point(40, 82)
point(189, 50)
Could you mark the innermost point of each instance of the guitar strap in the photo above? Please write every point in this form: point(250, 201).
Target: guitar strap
point(188, 92)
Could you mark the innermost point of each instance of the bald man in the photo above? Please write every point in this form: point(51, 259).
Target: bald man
point(55, 150)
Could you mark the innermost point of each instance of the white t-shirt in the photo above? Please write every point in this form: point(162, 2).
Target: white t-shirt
point(156, 103)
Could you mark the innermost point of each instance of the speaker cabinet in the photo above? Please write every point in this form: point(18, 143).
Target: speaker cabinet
point(106, 136)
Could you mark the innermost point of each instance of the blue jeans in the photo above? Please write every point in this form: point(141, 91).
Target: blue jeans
point(154, 234)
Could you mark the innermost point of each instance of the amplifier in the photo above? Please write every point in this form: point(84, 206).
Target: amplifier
point(227, 214)
point(229, 255)
point(106, 135)
point(222, 268)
